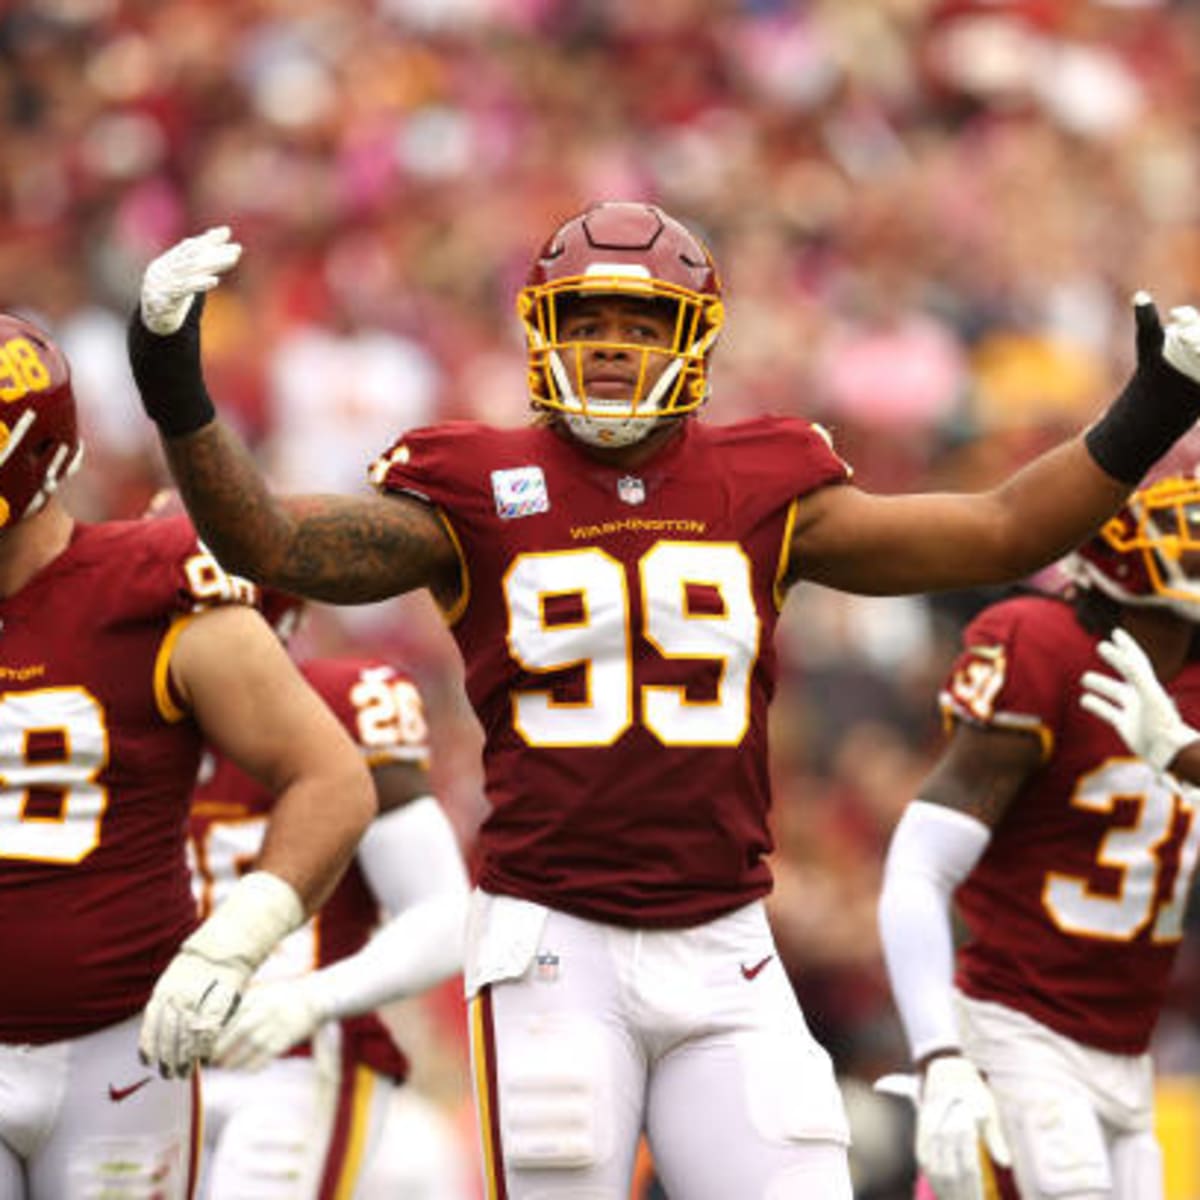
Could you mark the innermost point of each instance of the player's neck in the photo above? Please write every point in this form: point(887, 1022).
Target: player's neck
point(1165, 636)
point(32, 544)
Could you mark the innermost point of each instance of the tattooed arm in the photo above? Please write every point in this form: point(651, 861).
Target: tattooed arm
point(340, 549)
point(345, 550)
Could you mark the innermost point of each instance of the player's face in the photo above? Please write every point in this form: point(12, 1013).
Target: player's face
point(624, 343)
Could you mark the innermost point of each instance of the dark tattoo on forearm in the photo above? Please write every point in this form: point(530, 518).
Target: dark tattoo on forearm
point(340, 549)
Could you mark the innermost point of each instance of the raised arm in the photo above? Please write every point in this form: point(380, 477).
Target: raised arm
point(883, 545)
point(342, 549)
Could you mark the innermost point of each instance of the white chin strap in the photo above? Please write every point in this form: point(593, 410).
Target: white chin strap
point(596, 430)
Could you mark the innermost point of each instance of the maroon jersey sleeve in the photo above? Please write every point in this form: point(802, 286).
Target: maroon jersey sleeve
point(1010, 673)
point(97, 762)
point(617, 630)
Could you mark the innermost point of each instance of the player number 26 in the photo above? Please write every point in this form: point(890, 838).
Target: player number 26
point(573, 609)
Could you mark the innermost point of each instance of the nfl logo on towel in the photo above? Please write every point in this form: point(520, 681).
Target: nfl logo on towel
point(520, 492)
point(631, 489)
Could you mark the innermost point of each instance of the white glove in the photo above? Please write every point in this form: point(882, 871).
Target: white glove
point(273, 1018)
point(201, 986)
point(955, 1111)
point(193, 997)
point(1136, 705)
point(1181, 342)
point(174, 278)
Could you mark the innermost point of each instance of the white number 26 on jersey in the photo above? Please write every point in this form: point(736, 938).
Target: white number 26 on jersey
point(572, 609)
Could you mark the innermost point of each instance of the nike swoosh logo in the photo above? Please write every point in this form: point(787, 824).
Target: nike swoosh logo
point(116, 1095)
point(751, 972)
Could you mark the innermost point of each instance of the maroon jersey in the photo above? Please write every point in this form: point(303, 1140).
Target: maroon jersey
point(617, 630)
point(383, 712)
point(97, 764)
point(1075, 910)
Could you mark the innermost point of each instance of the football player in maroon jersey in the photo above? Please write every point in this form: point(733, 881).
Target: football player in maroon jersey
point(613, 575)
point(123, 649)
point(1070, 863)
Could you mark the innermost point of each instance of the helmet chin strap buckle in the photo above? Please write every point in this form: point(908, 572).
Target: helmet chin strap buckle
point(612, 432)
point(588, 421)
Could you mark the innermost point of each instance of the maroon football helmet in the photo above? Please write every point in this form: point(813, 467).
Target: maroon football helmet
point(625, 249)
point(1149, 553)
point(39, 439)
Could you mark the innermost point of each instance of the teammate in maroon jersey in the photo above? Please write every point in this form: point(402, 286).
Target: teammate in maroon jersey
point(319, 1115)
point(613, 575)
point(121, 651)
point(1070, 863)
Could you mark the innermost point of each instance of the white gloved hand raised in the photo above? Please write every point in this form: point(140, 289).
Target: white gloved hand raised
point(201, 986)
point(176, 276)
point(1136, 705)
point(272, 1018)
point(955, 1113)
point(1181, 341)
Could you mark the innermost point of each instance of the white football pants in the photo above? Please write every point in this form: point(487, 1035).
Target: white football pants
point(1079, 1121)
point(584, 1035)
point(85, 1118)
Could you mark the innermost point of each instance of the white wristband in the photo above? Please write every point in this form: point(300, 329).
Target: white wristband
point(257, 914)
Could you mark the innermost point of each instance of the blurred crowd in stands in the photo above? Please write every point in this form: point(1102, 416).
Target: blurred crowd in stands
point(930, 216)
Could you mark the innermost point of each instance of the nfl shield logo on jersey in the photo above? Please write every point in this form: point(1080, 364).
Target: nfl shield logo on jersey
point(631, 489)
point(520, 492)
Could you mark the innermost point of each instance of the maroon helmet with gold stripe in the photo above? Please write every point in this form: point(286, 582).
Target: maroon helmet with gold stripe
point(39, 435)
